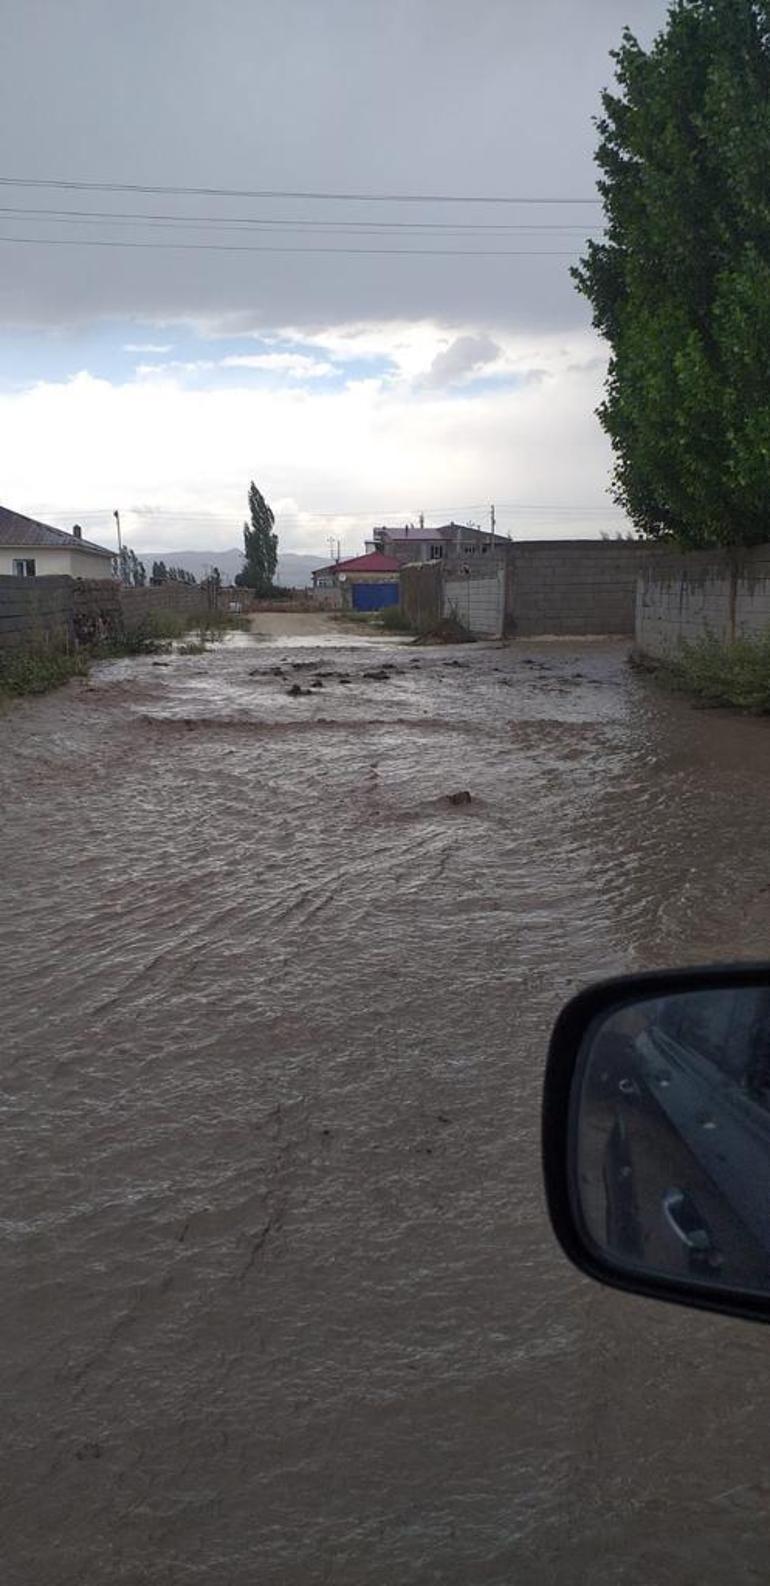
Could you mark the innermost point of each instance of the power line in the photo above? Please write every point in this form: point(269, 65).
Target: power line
point(275, 222)
point(278, 192)
point(375, 517)
point(235, 247)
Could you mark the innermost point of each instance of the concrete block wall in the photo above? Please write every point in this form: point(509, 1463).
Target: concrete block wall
point(548, 587)
point(687, 596)
point(421, 594)
point(580, 587)
point(477, 598)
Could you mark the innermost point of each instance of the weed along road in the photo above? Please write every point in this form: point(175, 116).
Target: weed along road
point(280, 1300)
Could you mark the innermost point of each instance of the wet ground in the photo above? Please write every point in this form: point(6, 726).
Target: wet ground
point(280, 1304)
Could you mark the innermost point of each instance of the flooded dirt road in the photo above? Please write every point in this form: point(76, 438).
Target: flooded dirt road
point(280, 1303)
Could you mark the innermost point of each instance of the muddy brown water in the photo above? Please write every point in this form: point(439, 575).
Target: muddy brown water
point(280, 1303)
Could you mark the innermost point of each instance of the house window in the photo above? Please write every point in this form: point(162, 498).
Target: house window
point(436, 552)
point(24, 568)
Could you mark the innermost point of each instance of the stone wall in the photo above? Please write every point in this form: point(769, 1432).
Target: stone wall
point(578, 587)
point(35, 613)
point(683, 597)
point(139, 606)
point(62, 613)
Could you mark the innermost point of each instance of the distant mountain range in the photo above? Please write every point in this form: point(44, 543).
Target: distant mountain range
point(293, 569)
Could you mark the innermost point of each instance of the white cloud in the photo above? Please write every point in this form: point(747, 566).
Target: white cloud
point(298, 365)
point(146, 346)
point(175, 366)
point(330, 460)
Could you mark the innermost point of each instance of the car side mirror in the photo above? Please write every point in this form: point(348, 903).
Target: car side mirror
point(656, 1136)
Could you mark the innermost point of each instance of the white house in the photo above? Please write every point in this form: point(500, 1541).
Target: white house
point(29, 549)
point(418, 544)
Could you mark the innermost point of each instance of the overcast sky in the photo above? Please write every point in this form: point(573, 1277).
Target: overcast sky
point(355, 386)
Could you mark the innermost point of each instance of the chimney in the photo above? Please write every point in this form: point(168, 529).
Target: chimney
point(77, 531)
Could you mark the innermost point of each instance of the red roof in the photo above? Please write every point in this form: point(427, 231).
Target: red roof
point(374, 562)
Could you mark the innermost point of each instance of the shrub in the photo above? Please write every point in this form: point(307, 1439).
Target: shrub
point(735, 674)
point(36, 672)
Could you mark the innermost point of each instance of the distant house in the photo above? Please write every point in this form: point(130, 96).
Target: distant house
point(29, 549)
point(411, 544)
point(363, 583)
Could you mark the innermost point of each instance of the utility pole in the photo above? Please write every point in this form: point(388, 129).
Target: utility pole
point(116, 516)
point(492, 526)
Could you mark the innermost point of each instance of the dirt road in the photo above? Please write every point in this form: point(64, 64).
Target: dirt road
point(280, 1301)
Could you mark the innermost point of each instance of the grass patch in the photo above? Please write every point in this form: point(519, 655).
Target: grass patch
point(391, 618)
point(216, 624)
point(394, 620)
point(36, 673)
point(359, 619)
point(736, 674)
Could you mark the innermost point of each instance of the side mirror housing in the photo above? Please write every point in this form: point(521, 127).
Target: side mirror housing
point(656, 1136)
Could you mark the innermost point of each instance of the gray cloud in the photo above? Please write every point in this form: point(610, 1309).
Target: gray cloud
point(463, 356)
point(416, 95)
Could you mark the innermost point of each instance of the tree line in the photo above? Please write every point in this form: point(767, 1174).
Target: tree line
point(161, 574)
point(133, 573)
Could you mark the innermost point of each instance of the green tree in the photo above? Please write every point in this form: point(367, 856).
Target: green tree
point(260, 545)
point(159, 573)
point(680, 284)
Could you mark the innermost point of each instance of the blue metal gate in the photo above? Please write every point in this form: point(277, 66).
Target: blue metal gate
point(372, 597)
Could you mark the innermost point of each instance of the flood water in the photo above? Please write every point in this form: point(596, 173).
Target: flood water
point(280, 1302)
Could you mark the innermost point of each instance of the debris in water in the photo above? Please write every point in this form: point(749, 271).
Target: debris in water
point(449, 630)
point(463, 797)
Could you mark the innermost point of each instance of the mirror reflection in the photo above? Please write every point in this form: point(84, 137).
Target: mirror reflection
point(671, 1136)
